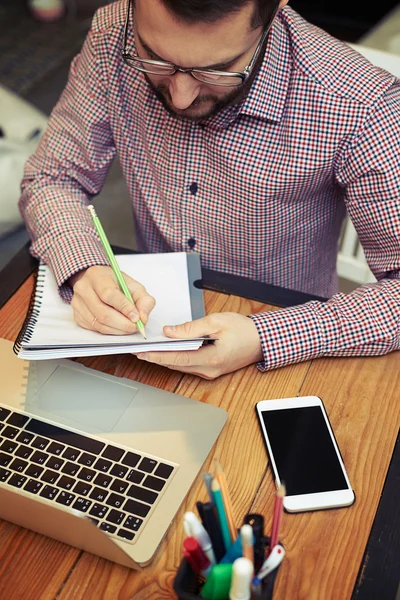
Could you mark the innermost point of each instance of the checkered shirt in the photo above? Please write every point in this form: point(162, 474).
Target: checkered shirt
point(260, 189)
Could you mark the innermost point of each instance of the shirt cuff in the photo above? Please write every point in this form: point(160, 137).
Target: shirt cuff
point(289, 335)
point(65, 261)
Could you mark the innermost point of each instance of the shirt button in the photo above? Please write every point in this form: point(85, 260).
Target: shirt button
point(191, 243)
point(193, 188)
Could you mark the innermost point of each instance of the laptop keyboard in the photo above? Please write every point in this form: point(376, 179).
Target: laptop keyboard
point(114, 486)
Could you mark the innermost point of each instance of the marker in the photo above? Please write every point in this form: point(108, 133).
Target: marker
point(209, 519)
point(273, 561)
point(193, 528)
point(242, 573)
point(257, 523)
point(196, 557)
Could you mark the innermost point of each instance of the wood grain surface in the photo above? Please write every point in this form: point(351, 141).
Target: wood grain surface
point(324, 548)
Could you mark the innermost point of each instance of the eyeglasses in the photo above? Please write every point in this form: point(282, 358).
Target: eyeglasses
point(209, 76)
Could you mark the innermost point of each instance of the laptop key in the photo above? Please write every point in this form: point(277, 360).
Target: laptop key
point(140, 493)
point(163, 471)
point(34, 471)
point(50, 476)
point(154, 483)
point(115, 500)
point(33, 486)
point(10, 432)
point(5, 459)
point(82, 504)
point(113, 453)
point(147, 464)
point(119, 471)
point(4, 412)
point(103, 480)
point(49, 492)
point(39, 457)
point(82, 488)
point(65, 498)
point(135, 476)
point(66, 482)
point(86, 459)
point(108, 527)
point(119, 486)
point(18, 465)
point(71, 454)
point(127, 535)
point(55, 448)
point(17, 420)
point(133, 523)
point(1, 426)
point(23, 451)
point(8, 446)
point(136, 508)
point(98, 510)
point(86, 474)
point(25, 438)
point(70, 468)
point(55, 463)
point(40, 443)
point(99, 494)
point(102, 465)
point(17, 480)
point(131, 459)
point(4, 474)
point(115, 516)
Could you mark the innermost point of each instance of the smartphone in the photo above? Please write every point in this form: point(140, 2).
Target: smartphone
point(304, 454)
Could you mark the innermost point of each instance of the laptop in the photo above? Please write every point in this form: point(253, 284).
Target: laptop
point(96, 461)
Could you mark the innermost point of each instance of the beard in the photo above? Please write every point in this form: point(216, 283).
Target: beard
point(204, 106)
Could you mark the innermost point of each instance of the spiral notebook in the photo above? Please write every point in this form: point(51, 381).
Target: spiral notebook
point(49, 330)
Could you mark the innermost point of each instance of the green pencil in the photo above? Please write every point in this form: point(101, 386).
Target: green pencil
point(113, 263)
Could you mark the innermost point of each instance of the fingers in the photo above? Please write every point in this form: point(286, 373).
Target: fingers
point(203, 362)
point(192, 329)
point(97, 295)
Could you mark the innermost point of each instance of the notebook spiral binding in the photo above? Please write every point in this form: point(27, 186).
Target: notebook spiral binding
point(32, 315)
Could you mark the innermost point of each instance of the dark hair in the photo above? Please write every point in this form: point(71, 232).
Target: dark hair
point(210, 11)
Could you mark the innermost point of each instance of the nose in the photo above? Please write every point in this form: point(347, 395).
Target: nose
point(184, 89)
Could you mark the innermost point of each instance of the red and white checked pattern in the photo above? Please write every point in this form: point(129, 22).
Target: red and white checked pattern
point(319, 132)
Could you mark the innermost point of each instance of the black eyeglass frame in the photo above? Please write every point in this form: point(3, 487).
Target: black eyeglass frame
point(243, 76)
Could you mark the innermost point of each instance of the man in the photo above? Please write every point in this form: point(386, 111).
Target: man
point(243, 133)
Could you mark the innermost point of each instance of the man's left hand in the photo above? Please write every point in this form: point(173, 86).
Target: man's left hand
point(237, 345)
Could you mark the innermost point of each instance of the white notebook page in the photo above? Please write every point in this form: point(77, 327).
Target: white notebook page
point(165, 277)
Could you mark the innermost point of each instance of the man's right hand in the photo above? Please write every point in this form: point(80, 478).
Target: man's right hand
point(99, 304)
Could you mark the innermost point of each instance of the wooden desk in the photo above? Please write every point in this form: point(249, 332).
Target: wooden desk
point(324, 549)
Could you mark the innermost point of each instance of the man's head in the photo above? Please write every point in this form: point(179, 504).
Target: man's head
point(207, 34)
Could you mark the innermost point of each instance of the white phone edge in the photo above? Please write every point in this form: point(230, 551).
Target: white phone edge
point(315, 501)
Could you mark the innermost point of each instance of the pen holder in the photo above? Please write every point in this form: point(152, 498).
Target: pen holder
point(188, 584)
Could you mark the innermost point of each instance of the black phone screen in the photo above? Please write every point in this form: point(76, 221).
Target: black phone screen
point(303, 450)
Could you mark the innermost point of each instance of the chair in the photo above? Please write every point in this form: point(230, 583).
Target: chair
point(351, 263)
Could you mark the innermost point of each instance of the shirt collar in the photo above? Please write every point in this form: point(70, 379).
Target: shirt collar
point(267, 95)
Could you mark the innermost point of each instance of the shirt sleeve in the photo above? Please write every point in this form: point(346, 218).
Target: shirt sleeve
point(367, 321)
point(68, 169)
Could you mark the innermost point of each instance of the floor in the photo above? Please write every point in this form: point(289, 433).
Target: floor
point(113, 203)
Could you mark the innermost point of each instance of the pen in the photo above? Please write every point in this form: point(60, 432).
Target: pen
point(246, 535)
point(113, 263)
point(223, 521)
point(193, 528)
point(257, 523)
point(273, 561)
point(196, 556)
point(209, 519)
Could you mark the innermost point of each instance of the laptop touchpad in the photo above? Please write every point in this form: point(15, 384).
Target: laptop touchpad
point(83, 398)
